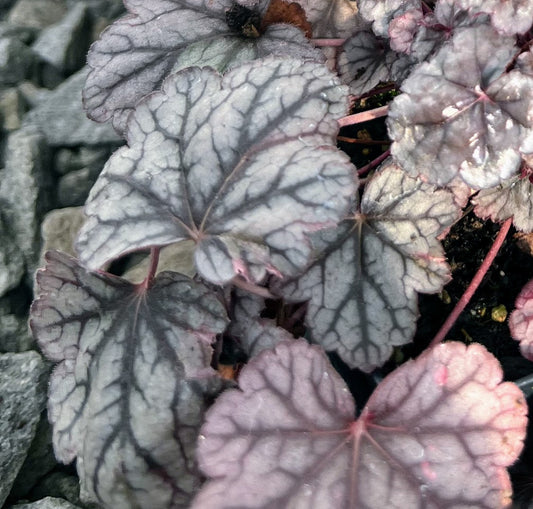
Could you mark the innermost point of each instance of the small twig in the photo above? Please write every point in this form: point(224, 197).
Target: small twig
point(474, 284)
point(364, 116)
point(372, 164)
point(239, 282)
point(328, 42)
point(373, 92)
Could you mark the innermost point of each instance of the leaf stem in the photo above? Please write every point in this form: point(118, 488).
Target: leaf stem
point(364, 116)
point(239, 282)
point(152, 269)
point(328, 42)
point(372, 164)
point(474, 284)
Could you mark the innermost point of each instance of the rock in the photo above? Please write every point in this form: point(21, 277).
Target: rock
point(61, 117)
point(25, 35)
point(11, 260)
point(37, 13)
point(64, 45)
point(110, 9)
point(15, 335)
point(32, 94)
point(61, 485)
point(59, 229)
point(16, 61)
point(94, 158)
point(23, 380)
point(73, 188)
point(39, 462)
point(47, 503)
point(12, 109)
point(26, 190)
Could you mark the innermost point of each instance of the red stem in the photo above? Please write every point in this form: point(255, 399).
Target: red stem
point(473, 286)
point(154, 261)
point(364, 116)
point(373, 164)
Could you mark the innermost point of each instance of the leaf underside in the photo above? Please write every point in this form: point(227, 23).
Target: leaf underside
point(245, 165)
point(437, 432)
point(122, 399)
point(362, 284)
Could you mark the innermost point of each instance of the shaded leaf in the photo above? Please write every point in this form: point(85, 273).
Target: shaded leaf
point(245, 166)
point(121, 399)
point(334, 18)
point(139, 50)
point(474, 123)
point(512, 198)
point(367, 60)
point(521, 321)
point(437, 432)
point(363, 281)
point(253, 332)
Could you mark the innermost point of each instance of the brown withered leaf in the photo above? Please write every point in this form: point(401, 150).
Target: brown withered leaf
point(280, 11)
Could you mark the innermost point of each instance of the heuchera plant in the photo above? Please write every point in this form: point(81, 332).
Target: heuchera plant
point(230, 112)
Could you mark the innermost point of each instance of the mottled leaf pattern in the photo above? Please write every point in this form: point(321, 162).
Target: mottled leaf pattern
point(521, 321)
point(121, 399)
point(512, 198)
point(139, 50)
point(437, 432)
point(244, 165)
point(362, 285)
point(475, 121)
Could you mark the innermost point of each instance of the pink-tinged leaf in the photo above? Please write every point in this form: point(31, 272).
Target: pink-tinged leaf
point(333, 18)
point(437, 432)
point(402, 30)
point(157, 37)
point(363, 281)
point(512, 198)
point(121, 399)
point(473, 125)
point(245, 165)
point(521, 321)
point(381, 12)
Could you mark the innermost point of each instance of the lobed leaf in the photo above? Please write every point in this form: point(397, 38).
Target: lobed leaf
point(381, 12)
point(244, 165)
point(512, 198)
point(122, 399)
point(473, 124)
point(509, 17)
point(521, 321)
point(157, 37)
point(363, 281)
point(367, 60)
point(253, 332)
point(437, 432)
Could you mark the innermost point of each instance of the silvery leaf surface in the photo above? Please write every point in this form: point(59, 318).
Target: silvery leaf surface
point(474, 123)
point(366, 60)
point(509, 17)
point(333, 18)
point(135, 53)
point(521, 321)
point(381, 12)
point(512, 198)
point(437, 432)
point(362, 284)
point(245, 165)
point(253, 332)
point(130, 388)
